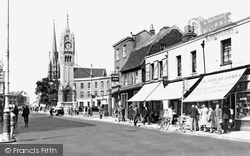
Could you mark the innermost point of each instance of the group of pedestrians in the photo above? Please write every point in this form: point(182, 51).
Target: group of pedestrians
point(210, 119)
point(14, 118)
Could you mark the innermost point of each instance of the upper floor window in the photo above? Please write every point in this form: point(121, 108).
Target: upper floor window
point(117, 54)
point(95, 84)
point(125, 83)
point(102, 84)
point(96, 93)
point(160, 69)
point(102, 93)
point(88, 94)
point(178, 65)
point(89, 85)
point(226, 51)
point(124, 50)
point(193, 57)
point(82, 85)
point(82, 94)
point(136, 77)
point(108, 84)
point(152, 71)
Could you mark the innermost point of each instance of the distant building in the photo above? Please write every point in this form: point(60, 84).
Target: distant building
point(77, 86)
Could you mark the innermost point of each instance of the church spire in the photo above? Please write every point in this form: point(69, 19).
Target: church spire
point(54, 47)
point(67, 25)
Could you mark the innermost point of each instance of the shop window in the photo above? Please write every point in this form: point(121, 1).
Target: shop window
point(178, 65)
point(226, 51)
point(243, 105)
point(193, 57)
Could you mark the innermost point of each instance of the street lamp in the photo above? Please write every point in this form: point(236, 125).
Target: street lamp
point(6, 112)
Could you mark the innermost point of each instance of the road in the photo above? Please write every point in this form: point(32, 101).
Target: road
point(86, 138)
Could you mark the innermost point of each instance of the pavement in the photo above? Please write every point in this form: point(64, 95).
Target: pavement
point(232, 135)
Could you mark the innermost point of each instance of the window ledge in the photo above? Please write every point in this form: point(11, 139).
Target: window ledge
point(226, 63)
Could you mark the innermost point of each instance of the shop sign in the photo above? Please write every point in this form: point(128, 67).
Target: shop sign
point(115, 77)
point(202, 26)
point(245, 78)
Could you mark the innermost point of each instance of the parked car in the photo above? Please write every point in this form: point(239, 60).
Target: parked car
point(59, 111)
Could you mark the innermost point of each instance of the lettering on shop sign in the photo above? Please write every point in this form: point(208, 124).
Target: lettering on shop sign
point(202, 26)
point(213, 85)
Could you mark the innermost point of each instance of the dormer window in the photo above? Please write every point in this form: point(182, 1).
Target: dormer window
point(163, 47)
point(124, 50)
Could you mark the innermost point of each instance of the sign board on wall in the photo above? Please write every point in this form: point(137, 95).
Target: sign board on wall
point(115, 77)
point(202, 26)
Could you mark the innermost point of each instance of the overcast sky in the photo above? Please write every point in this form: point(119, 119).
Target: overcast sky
point(97, 25)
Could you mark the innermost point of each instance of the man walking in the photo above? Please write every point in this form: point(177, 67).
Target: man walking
point(123, 113)
point(193, 118)
point(136, 115)
point(226, 115)
point(146, 114)
point(26, 112)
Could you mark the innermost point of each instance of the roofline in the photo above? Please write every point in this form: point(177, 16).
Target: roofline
point(228, 26)
point(123, 40)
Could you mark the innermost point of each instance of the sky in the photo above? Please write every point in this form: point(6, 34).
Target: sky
point(96, 24)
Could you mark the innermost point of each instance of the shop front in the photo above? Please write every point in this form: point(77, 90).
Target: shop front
point(172, 94)
point(231, 88)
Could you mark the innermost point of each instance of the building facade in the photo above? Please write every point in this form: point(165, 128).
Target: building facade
point(208, 69)
point(92, 90)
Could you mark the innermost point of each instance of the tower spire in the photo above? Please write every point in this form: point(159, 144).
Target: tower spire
point(67, 25)
point(54, 47)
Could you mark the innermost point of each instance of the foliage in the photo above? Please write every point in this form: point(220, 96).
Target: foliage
point(47, 90)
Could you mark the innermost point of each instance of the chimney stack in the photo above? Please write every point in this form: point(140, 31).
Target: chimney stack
point(152, 31)
point(188, 33)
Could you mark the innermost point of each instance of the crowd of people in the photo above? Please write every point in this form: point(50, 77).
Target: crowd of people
point(209, 119)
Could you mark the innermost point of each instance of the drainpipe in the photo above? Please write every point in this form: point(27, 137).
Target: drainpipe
point(203, 47)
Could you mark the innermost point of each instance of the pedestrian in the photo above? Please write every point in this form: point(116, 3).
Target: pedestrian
point(100, 111)
point(136, 115)
point(123, 113)
point(51, 112)
point(119, 113)
point(116, 114)
point(211, 119)
point(130, 113)
point(146, 115)
point(218, 118)
point(16, 112)
point(26, 112)
point(193, 118)
point(204, 114)
point(12, 122)
point(170, 114)
point(226, 116)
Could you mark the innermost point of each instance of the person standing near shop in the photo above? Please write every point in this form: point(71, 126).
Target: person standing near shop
point(226, 116)
point(193, 118)
point(136, 115)
point(146, 114)
point(204, 115)
point(123, 113)
point(211, 119)
point(218, 119)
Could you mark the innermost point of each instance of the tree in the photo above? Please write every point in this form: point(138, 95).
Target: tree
point(48, 90)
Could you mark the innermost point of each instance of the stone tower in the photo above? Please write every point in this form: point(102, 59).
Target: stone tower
point(66, 91)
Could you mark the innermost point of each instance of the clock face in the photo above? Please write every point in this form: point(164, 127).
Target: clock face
point(68, 45)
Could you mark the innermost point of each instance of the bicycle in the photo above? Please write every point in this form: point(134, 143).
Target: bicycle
point(164, 122)
point(182, 124)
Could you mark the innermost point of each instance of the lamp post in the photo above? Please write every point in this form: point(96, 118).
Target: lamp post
point(6, 112)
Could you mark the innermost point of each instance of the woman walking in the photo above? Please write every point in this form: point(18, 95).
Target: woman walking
point(26, 112)
point(211, 119)
point(204, 114)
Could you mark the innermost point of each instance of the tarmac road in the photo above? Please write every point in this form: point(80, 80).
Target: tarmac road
point(86, 138)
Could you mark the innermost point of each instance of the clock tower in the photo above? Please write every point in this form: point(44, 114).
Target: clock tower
point(66, 91)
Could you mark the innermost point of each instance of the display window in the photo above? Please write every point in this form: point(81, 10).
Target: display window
point(243, 105)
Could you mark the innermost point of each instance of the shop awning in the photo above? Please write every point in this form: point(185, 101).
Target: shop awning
point(215, 87)
point(173, 90)
point(144, 92)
